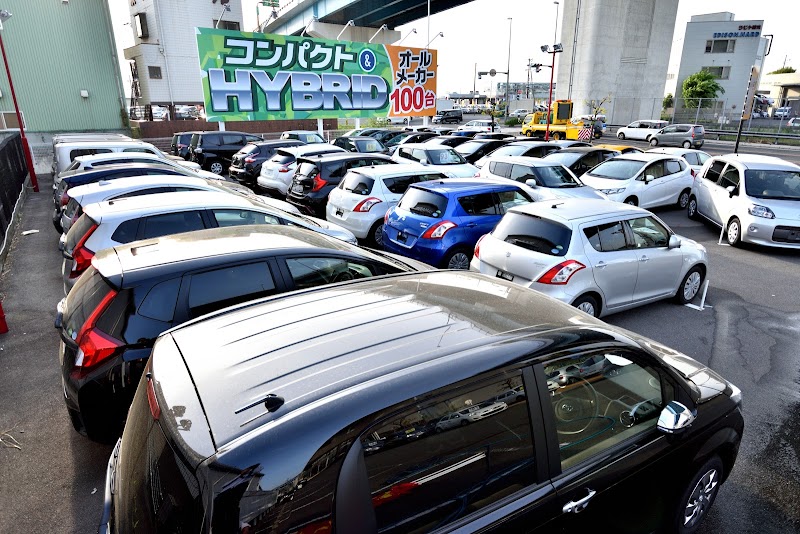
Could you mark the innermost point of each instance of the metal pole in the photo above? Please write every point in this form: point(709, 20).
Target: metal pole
point(25, 147)
point(697, 115)
point(508, 68)
point(738, 135)
point(550, 98)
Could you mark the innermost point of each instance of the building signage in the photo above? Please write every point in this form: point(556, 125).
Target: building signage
point(723, 35)
point(254, 76)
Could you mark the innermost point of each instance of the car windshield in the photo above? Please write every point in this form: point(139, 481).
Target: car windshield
point(775, 184)
point(248, 149)
point(423, 202)
point(369, 146)
point(398, 138)
point(533, 233)
point(282, 159)
point(445, 156)
point(509, 150)
point(565, 158)
point(618, 169)
point(470, 147)
point(555, 176)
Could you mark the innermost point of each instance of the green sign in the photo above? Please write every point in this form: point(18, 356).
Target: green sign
point(254, 76)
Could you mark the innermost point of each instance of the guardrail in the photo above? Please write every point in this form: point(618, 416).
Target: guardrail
point(763, 135)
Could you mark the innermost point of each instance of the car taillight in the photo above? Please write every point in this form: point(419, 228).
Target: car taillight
point(438, 230)
point(249, 160)
point(561, 273)
point(283, 168)
point(693, 173)
point(478, 246)
point(181, 146)
point(386, 218)
point(366, 204)
point(152, 400)
point(64, 197)
point(82, 256)
point(319, 183)
point(95, 346)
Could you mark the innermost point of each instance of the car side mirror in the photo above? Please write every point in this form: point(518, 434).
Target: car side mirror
point(675, 418)
point(674, 242)
point(198, 150)
point(732, 190)
point(649, 178)
point(531, 183)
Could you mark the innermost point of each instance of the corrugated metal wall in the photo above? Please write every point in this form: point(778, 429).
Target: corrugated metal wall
point(55, 49)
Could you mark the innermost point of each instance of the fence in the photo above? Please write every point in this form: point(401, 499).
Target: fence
point(13, 173)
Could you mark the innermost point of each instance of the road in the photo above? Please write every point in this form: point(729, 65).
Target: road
point(751, 335)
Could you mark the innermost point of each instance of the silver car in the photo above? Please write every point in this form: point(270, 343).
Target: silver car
point(599, 256)
point(685, 135)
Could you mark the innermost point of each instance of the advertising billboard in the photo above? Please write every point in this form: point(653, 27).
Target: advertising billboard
point(254, 76)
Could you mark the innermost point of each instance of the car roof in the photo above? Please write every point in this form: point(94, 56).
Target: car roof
point(278, 142)
point(167, 201)
point(119, 155)
point(104, 143)
point(579, 149)
point(757, 161)
point(131, 183)
point(223, 132)
point(642, 156)
point(526, 160)
point(113, 169)
point(673, 150)
point(302, 150)
point(576, 209)
point(378, 334)
point(343, 156)
point(379, 171)
point(300, 132)
point(426, 146)
point(453, 185)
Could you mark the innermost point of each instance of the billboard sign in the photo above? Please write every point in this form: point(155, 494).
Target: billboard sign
point(254, 76)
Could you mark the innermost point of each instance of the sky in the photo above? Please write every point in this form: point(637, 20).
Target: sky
point(477, 33)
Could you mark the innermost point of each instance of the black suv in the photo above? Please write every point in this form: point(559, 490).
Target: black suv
point(214, 150)
point(419, 402)
point(316, 176)
point(448, 115)
point(180, 144)
point(132, 293)
point(246, 164)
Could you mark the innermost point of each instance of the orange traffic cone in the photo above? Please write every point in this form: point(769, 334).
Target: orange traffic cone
point(3, 324)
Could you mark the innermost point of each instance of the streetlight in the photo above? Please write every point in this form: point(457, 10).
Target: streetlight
point(413, 30)
point(440, 34)
point(555, 50)
point(508, 68)
point(225, 7)
point(4, 16)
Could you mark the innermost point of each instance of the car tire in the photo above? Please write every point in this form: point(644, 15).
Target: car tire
point(375, 236)
point(733, 232)
point(691, 209)
point(653, 141)
point(687, 144)
point(529, 133)
point(216, 167)
point(690, 286)
point(457, 259)
point(464, 422)
point(621, 136)
point(405, 121)
point(698, 497)
point(588, 304)
point(632, 201)
point(683, 199)
point(556, 136)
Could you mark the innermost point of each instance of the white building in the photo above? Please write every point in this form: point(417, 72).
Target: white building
point(166, 46)
point(616, 49)
point(728, 49)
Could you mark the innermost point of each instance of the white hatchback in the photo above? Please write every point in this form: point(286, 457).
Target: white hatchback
point(695, 158)
point(641, 129)
point(365, 194)
point(643, 179)
point(277, 173)
point(439, 158)
point(479, 125)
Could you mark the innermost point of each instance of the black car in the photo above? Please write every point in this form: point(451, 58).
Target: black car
point(581, 159)
point(409, 137)
point(214, 150)
point(531, 149)
point(180, 144)
point(448, 140)
point(363, 144)
point(313, 412)
point(132, 293)
point(475, 149)
point(385, 135)
point(246, 164)
point(316, 176)
point(494, 135)
point(448, 115)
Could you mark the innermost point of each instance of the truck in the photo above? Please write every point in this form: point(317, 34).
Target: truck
point(444, 104)
point(562, 125)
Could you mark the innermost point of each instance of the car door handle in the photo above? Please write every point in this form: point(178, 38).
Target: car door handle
point(579, 505)
point(601, 265)
point(644, 259)
point(471, 225)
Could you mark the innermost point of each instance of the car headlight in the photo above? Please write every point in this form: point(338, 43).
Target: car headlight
point(613, 191)
point(760, 211)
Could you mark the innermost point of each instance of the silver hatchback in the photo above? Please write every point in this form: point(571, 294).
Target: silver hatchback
point(599, 256)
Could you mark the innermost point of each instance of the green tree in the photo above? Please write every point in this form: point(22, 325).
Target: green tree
point(784, 70)
point(597, 105)
point(668, 101)
point(700, 85)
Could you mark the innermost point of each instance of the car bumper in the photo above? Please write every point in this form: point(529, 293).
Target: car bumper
point(309, 204)
point(57, 219)
point(425, 250)
point(66, 269)
point(106, 521)
point(358, 223)
point(273, 184)
point(761, 231)
point(243, 176)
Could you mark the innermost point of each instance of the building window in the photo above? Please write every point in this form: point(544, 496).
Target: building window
point(154, 72)
point(225, 25)
point(720, 46)
point(721, 73)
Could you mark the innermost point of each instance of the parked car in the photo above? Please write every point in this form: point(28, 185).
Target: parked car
point(246, 164)
point(536, 149)
point(385, 135)
point(447, 140)
point(363, 144)
point(214, 150)
point(442, 159)
point(695, 158)
point(580, 159)
point(494, 135)
point(601, 257)
point(316, 176)
point(519, 113)
point(480, 125)
point(475, 149)
point(201, 441)
point(547, 180)
point(641, 129)
point(306, 136)
point(118, 222)
point(362, 198)
point(87, 163)
point(393, 120)
point(443, 130)
point(683, 135)
point(439, 222)
point(466, 133)
point(65, 152)
point(106, 339)
point(408, 137)
point(755, 198)
point(277, 173)
point(645, 180)
point(180, 144)
point(782, 113)
point(564, 143)
point(448, 115)
point(794, 122)
point(622, 149)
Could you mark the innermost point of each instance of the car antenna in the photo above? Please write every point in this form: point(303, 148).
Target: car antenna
point(556, 205)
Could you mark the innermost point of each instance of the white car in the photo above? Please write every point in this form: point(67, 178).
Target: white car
point(519, 113)
point(548, 180)
point(755, 198)
point(470, 415)
point(641, 129)
point(277, 173)
point(602, 257)
point(110, 223)
point(439, 158)
point(479, 125)
point(86, 163)
point(365, 194)
point(394, 120)
point(695, 158)
point(643, 179)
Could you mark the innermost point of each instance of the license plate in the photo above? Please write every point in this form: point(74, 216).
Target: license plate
point(339, 213)
point(401, 237)
point(504, 275)
point(297, 188)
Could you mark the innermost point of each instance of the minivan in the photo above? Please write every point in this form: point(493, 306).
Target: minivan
point(64, 153)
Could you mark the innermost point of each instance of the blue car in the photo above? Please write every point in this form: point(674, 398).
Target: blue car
point(439, 222)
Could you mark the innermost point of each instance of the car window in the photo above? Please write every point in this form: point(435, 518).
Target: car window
point(499, 168)
point(405, 153)
point(702, 157)
point(342, 142)
point(669, 129)
point(87, 152)
point(533, 233)
point(357, 183)
point(126, 232)
point(633, 125)
point(773, 184)
point(139, 150)
point(602, 403)
point(441, 460)
point(691, 158)
point(729, 178)
point(480, 204)
point(159, 303)
point(419, 155)
point(713, 173)
point(210, 140)
point(399, 184)
point(607, 237)
point(172, 223)
point(511, 198)
point(423, 202)
point(555, 176)
point(655, 169)
point(232, 139)
point(220, 288)
point(315, 271)
point(234, 217)
point(368, 146)
point(616, 169)
point(672, 166)
point(648, 233)
point(521, 173)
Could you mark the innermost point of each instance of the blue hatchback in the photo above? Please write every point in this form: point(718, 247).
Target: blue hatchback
point(440, 222)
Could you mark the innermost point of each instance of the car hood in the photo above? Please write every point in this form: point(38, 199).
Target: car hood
point(334, 230)
point(188, 164)
point(576, 192)
point(463, 170)
point(209, 175)
point(604, 183)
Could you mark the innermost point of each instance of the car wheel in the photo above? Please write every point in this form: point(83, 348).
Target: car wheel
point(457, 259)
point(588, 304)
point(687, 144)
point(690, 286)
point(405, 121)
point(699, 495)
point(529, 133)
point(683, 199)
point(556, 136)
point(734, 232)
point(376, 234)
point(621, 136)
point(691, 209)
point(216, 167)
point(464, 422)
point(653, 141)
point(632, 201)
